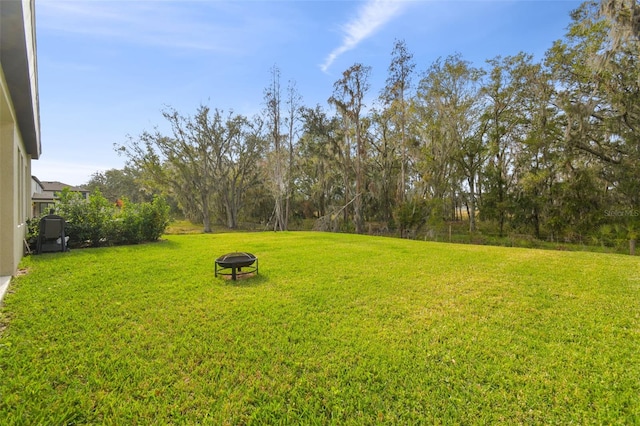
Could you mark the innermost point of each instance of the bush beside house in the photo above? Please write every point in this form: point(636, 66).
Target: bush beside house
point(45, 194)
point(95, 221)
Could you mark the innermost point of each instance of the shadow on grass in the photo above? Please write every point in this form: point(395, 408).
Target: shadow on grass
point(249, 280)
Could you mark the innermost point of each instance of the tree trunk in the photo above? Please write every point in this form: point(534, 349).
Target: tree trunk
point(230, 208)
point(357, 204)
point(345, 180)
point(206, 217)
point(287, 211)
point(206, 221)
point(357, 214)
point(536, 222)
point(278, 224)
point(472, 205)
point(230, 219)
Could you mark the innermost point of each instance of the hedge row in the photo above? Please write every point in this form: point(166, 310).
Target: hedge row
point(95, 221)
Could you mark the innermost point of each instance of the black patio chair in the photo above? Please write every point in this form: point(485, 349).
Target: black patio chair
point(52, 237)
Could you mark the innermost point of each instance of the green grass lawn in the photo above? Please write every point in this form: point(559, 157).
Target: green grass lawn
point(336, 329)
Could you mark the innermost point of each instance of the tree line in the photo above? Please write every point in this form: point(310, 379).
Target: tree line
point(546, 148)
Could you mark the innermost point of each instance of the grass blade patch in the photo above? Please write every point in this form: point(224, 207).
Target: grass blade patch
point(336, 329)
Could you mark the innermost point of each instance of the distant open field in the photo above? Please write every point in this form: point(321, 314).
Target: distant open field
point(335, 329)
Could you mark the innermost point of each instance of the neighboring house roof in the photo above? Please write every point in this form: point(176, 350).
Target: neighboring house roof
point(19, 64)
point(50, 188)
point(36, 185)
point(42, 197)
point(36, 180)
point(59, 186)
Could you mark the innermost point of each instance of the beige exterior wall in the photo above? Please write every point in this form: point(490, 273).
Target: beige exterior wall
point(15, 186)
point(19, 127)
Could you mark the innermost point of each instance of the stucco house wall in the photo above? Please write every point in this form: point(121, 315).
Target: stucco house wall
point(19, 126)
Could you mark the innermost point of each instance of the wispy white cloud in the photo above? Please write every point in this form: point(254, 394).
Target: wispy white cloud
point(163, 24)
point(145, 23)
point(371, 16)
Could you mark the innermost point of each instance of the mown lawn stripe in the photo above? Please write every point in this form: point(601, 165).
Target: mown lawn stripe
point(335, 329)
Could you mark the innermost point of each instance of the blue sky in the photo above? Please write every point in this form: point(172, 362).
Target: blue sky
point(108, 68)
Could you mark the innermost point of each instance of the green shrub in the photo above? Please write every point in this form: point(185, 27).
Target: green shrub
point(95, 221)
point(127, 226)
point(411, 214)
point(88, 220)
point(154, 219)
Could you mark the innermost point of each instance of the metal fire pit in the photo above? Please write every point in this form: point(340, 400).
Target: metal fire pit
point(233, 264)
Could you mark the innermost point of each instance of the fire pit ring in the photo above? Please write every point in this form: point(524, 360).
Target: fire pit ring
point(233, 264)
